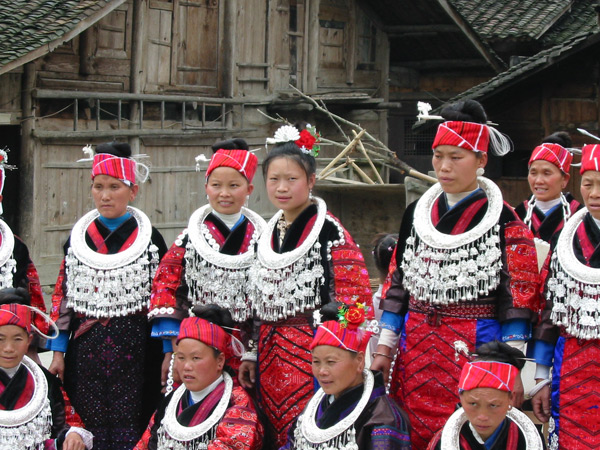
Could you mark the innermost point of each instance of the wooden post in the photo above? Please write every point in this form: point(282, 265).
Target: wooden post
point(312, 34)
point(27, 177)
point(137, 73)
point(229, 28)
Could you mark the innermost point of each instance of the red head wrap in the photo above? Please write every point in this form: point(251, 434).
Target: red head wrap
point(468, 135)
point(207, 332)
point(488, 374)
point(553, 153)
point(335, 334)
point(590, 158)
point(241, 160)
point(15, 314)
point(120, 168)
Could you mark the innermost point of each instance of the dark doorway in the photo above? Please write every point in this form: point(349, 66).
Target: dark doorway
point(10, 140)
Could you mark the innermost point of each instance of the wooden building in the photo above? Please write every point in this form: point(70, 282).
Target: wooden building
point(172, 77)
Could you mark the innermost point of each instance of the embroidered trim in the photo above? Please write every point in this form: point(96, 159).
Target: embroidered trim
point(444, 268)
point(340, 436)
point(451, 432)
point(285, 284)
point(28, 427)
point(8, 265)
point(216, 278)
point(574, 288)
point(114, 285)
point(173, 435)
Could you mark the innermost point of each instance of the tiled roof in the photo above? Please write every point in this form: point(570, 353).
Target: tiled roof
point(28, 25)
point(582, 18)
point(500, 19)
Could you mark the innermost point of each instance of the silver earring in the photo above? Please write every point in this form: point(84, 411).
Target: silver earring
point(480, 171)
point(207, 197)
point(246, 202)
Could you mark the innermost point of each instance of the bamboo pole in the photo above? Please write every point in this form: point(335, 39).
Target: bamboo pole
point(348, 149)
point(362, 149)
point(362, 173)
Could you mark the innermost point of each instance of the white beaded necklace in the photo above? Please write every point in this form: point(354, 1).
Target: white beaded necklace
point(8, 265)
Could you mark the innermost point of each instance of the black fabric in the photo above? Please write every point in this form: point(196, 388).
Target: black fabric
point(233, 238)
point(549, 223)
point(13, 387)
point(501, 442)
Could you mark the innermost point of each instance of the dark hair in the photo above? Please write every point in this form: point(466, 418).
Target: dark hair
point(230, 144)
point(18, 295)
point(383, 248)
point(217, 315)
point(291, 151)
point(465, 111)
point(120, 149)
point(561, 138)
point(501, 352)
point(329, 311)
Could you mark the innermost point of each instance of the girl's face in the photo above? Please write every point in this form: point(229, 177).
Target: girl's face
point(288, 186)
point(227, 190)
point(197, 365)
point(336, 369)
point(485, 408)
point(590, 191)
point(456, 168)
point(546, 181)
point(111, 196)
point(14, 342)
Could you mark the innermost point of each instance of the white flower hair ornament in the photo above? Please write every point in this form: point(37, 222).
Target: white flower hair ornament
point(199, 160)
point(285, 133)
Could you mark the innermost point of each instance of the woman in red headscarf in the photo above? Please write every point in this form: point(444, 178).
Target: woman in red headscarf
point(209, 410)
point(568, 338)
point(111, 369)
point(548, 208)
point(464, 269)
point(487, 419)
point(210, 259)
point(351, 409)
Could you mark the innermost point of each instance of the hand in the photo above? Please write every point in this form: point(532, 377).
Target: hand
point(247, 374)
point(383, 363)
point(518, 392)
point(73, 442)
point(57, 366)
point(541, 404)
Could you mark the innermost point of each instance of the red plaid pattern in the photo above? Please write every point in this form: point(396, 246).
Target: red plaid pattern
point(120, 168)
point(206, 332)
point(332, 333)
point(590, 154)
point(241, 160)
point(468, 135)
point(15, 314)
point(488, 374)
point(553, 153)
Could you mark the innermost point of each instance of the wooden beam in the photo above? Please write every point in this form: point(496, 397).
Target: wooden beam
point(443, 63)
point(50, 46)
point(27, 216)
point(430, 28)
point(312, 34)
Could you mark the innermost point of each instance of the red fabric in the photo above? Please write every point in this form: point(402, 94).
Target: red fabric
point(58, 294)
point(332, 333)
point(587, 247)
point(590, 158)
point(467, 135)
point(488, 374)
point(120, 168)
point(14, 314)
point(465, 219)
point(71, 415)
point(241, 160)
point(37, 298)
point(168, 278)
point(205, 332)
point(25, 396)
point(553, 153)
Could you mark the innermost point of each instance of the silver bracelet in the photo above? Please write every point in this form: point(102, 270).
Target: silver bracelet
point(538, 387)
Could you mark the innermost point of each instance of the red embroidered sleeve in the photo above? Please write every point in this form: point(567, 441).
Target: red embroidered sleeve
point(351, 278)
point(168, 279)
point(143, 443)
point(388, 278)
point(58, 294)
point(239, 428)
point(521, 264)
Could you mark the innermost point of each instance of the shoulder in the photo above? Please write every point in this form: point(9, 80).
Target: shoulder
point(521, 210)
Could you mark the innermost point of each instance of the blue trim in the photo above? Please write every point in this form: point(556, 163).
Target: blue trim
point(464, 199)
point(559, 351)
point(61, 343)
point(516, 330)
point(241, 219)
point(489, 442)
point(113, 224)
point(543, 352)
point(167, 345)
point(487, 330)
point(391, 321)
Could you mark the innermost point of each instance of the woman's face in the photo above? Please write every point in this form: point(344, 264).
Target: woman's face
point(227, 190)
point(485, 408)
point(546, 181)
point(197, 365)
point(288, 187)
point(111, 196)
point(590, 191)
point(14, 342)
point(456, 168)
point(336, 369)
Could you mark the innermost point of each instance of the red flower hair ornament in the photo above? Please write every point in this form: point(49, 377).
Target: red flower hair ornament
point(307, 140)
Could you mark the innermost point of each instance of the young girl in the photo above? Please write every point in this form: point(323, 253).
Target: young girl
point(351, 409)
point(567, 337)
point(305, 259)
point(209, 410)
point(466, 270)
point(32, 411)
point(548, 208)
point(383, 249)
point(111, 370)
point(209, 261)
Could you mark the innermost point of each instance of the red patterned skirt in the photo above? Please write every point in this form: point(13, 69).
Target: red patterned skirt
point(285, 380)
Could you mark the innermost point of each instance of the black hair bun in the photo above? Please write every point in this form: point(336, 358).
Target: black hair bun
point(560, 137)
point(330, 311)
point(215, 314)
point(230, 144)
point(120, 149)
point(465, 111)
point(18, 295)
point(383, 249)
point(501, 352)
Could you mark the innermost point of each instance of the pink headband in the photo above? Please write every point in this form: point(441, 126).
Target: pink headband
point(120, 168)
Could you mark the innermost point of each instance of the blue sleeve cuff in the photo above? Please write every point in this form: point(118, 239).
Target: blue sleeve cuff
point(59, 344)
point(516, 330)
point(164, 327)
point(391, 321)
point(543, 353)
point(167, 346)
